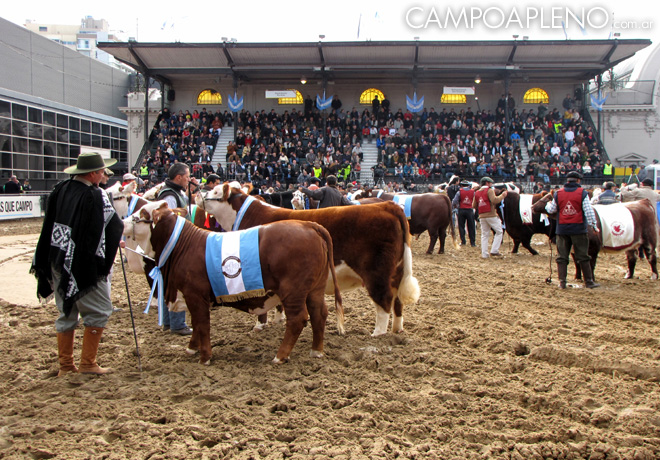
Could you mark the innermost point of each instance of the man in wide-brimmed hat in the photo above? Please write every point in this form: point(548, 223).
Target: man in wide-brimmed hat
point(74, 255)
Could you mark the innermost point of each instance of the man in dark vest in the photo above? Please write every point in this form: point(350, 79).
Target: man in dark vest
point(174, 193)
point(574, 214)
point(463, 202)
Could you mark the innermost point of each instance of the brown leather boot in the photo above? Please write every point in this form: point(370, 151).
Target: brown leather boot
point(562, 270)
point(65, 352)
point(91, 341)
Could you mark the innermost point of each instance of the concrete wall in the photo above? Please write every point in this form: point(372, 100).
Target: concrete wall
point(37, 66)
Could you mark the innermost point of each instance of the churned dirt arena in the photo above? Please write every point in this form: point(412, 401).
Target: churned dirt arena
point(493, 364)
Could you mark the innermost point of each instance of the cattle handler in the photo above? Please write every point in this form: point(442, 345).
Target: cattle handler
point(74, 255)
point(574, 213)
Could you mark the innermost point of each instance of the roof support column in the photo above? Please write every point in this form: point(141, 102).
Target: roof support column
point(507, 83)
point(235, 113)
point(599, 81)
point(147, 131)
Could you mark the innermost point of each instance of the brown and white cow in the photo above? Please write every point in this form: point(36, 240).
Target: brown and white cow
point(371, 245)
point(428, 212)
point(299, 287)
point(645, 235)
point(519, 231)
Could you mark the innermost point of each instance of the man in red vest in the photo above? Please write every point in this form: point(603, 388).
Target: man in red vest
point(463, 202)
point(485, 201)
point(574, 214)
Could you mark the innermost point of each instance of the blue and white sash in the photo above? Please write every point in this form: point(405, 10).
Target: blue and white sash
point(233, 265)
point(132, 204)
point(405, 202)
point(156, 274)
point(241, 212)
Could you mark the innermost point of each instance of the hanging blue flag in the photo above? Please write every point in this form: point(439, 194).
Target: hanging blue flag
point(597, 102)
point(413, 104)
point(235, 104)
point(323, 103)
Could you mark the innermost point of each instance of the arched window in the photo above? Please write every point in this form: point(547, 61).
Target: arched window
point(209, 97)
point(453, 99)
point(536, 96)
point(291, 100)
point(368, 95)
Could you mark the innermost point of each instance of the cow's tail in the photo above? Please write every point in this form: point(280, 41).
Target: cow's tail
point(408, 291)
point(339, 307)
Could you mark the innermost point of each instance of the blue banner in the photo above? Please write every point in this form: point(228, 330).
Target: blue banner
point(235, 104)
point(415, 105)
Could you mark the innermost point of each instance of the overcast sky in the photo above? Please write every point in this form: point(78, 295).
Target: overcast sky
point(343, 20)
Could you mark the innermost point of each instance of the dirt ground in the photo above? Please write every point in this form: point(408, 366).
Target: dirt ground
point(493, 363)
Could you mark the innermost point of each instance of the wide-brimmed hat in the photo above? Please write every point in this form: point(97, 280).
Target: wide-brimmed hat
point(574, 175)
point(88, 162)
point(129, 176)
point(108, 172)
point(486, 179)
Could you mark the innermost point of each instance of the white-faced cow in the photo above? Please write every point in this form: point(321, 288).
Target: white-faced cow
point(228, 272)
point(623, 227)
point(371, 245)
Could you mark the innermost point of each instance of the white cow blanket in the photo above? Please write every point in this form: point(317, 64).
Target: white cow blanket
point(525, 205)
point(617, 226)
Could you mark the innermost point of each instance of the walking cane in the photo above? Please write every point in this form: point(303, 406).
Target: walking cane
point(549, 278)
point(130, 308)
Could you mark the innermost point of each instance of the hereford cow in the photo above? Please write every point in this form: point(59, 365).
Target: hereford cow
point(644, 233)
point(427, 212)
point(371, 245)
point(521, 223)
point(300, 288)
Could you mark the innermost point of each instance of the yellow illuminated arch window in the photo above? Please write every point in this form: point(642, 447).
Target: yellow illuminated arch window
point(367, 96)
point(291, 100)
point(209, 97)
point(536, 96)
point(453, 99)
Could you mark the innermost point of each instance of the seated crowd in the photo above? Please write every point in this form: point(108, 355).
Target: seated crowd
point(427, 147)
point(183, 137)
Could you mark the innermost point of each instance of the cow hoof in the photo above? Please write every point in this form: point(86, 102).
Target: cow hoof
point(627, 277)
point(207, 363)
point(277, 360)
point(377, 333)
point(654, 276)
point(316, 354)
point(259, 327)
point(341, 330)
point(190, 351)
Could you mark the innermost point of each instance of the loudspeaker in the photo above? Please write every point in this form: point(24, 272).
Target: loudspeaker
point(170, 95)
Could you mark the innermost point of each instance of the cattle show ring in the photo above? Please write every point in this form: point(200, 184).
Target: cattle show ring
point(492, 363)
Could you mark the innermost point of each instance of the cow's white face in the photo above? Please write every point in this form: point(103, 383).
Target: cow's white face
point(298, 200)
point(215, 203)
point(152, 193)
point(359, 195)
point(121, 197)
point(137, 227)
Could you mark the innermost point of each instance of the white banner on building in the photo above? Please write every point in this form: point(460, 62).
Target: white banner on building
point(458, 90)
point(280, 93)
point(19, 206)
point(105, 153)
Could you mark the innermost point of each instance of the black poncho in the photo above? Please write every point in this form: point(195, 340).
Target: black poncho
point(80, 237)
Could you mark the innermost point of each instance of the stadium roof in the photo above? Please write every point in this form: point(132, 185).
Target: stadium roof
point(455, 62)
